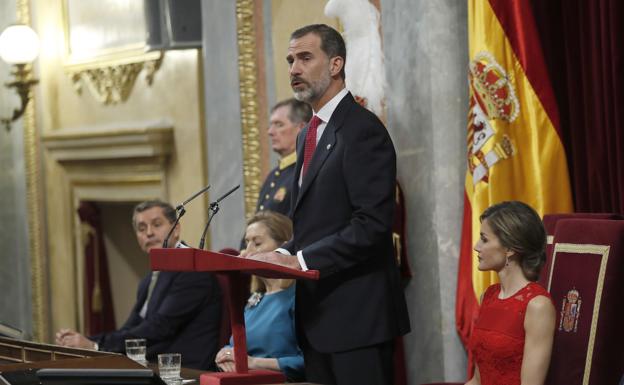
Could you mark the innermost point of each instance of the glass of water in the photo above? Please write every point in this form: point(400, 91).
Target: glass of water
point(169, 365)
point(135, 350)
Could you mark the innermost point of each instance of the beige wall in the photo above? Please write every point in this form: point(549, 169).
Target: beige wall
point(127, 263)
point(130, 170)
point(287, 16)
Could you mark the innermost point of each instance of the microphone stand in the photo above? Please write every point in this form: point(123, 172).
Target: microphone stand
point(181, 211)
point(214, 209)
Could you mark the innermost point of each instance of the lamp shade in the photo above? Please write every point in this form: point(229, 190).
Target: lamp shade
point(19, 44)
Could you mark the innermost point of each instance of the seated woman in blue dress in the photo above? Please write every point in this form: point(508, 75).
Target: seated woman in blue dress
point(270, 311)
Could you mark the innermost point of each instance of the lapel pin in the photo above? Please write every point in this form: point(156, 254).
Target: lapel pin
point(328, 146)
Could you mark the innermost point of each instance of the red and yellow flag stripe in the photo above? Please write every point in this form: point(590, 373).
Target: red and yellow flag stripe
point(514, 148)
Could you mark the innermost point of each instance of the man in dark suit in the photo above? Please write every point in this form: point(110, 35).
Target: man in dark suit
point(342, 211)
point(175, 312)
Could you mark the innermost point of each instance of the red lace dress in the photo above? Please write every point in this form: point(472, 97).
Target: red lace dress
point(497, 341)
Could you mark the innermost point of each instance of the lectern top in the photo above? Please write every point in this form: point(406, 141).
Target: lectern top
point(190, 259)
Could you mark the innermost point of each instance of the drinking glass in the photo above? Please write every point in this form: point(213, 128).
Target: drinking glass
point(169, 365)
point(135, 350)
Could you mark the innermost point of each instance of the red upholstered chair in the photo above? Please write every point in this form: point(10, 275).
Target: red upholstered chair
point(586, 281)
point(550, 223)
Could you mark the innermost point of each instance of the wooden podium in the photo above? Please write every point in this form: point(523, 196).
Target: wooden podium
point(231, 268)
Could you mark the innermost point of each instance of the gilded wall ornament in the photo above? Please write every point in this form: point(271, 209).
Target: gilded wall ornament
point(34, 198)
point(248, 74)
point(112, 83)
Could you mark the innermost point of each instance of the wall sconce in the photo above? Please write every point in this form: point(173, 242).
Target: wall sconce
point(19, 45)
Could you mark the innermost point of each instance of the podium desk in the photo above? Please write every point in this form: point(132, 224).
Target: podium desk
point(231, 268)
point(19, 355)
point(13, 351)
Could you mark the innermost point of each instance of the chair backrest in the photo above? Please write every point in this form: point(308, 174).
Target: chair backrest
point(550, 223)
point(585, 278)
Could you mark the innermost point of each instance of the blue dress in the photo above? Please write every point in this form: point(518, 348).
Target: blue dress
point(270, 330)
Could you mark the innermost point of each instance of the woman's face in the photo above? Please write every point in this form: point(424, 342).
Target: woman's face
point(492, 255)
point(258, 239)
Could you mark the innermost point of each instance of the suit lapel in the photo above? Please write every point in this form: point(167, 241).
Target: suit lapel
point(324, 147)
point(162, 284)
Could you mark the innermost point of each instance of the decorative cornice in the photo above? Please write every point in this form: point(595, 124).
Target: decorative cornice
point(95, 143)
point(111, 81)
point(248, 75)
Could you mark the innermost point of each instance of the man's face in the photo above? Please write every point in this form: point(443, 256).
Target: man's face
point(310, 68)
point(151, 227)
point(282, 131)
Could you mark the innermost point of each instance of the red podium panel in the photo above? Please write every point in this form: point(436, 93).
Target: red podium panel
point(230, 267)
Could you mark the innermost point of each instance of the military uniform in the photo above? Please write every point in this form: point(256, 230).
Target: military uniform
point(275, 192)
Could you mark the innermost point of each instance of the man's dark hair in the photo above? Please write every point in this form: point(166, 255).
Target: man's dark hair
point(168, 210)
point(332, 42)
point(300, 112)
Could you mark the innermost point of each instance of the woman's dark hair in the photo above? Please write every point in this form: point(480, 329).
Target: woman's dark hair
point(520, 229)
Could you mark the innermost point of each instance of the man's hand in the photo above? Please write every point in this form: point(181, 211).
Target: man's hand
point(278, 259)
point(73, 339)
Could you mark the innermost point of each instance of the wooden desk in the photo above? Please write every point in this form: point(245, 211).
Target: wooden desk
point(14, 351)
point(17, 355)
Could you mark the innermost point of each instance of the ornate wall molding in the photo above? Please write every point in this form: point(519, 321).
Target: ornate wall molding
point(34, 199)
point(103, 164)
point(111, 81)
point(148, 140)
point(249, 98)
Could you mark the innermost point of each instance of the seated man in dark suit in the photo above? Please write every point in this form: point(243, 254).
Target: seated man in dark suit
point(176, 312)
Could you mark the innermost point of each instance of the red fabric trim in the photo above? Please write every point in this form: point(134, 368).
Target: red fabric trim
point(104, 320)
point(466, 305)
point(516, 19)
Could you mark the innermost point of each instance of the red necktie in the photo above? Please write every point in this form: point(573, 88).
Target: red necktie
point(310, 142)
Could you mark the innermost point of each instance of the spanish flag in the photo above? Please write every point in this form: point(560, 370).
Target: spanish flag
point(514, 146)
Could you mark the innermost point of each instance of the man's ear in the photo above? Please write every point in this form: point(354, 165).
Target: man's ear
point(335, 65)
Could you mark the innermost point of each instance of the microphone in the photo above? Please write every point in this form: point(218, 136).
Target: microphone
point(181, 206)
point(181, 212)
point(214, 209)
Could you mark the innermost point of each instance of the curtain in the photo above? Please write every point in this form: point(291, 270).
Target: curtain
point(98, 303)
point(584, 52)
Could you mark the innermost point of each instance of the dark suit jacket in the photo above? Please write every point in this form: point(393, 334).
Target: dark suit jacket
point(342, 216)
point(183, 316)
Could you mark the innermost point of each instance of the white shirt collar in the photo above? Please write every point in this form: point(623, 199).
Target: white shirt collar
point(328, 109)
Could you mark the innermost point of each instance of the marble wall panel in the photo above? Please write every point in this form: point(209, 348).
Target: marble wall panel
point(15, 293)
point(223, 120)
point(425, 44)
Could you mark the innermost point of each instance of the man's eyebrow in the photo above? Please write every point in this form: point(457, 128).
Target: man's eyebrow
point(298, 54)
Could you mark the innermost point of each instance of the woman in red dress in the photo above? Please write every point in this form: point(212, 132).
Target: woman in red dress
point(512, 338)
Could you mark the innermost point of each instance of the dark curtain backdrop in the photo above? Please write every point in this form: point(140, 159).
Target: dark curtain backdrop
point(98, 301)
point(583, 42)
